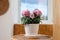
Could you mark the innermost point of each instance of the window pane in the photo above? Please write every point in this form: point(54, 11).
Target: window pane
point(35, 4)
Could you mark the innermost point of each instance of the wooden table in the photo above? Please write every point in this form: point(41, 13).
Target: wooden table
point(22, 37)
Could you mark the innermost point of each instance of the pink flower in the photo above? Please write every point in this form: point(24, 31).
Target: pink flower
point(38, 12)
point(26, 13)
point(32, 15)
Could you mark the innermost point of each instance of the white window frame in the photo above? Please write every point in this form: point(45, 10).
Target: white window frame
point(50, 13)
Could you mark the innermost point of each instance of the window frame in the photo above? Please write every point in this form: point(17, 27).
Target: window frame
point(50, 13)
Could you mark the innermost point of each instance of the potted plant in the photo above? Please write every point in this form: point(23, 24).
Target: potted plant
point(31, 21)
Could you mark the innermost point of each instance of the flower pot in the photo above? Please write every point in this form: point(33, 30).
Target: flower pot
point(31, 29)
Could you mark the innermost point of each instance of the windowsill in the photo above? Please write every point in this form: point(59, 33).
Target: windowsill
point(42, 23)
point(49, 22)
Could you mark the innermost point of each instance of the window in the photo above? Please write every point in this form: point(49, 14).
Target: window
point(36, 4)
point(46, 6)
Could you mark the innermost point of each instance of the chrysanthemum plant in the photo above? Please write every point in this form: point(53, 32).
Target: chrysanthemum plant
point(31, 18)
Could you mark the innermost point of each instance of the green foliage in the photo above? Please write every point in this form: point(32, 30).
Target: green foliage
point(28, 20)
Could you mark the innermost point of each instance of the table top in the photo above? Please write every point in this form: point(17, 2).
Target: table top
point(23, 37)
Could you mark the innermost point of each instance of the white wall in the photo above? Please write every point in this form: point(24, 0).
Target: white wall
point(7, 21)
